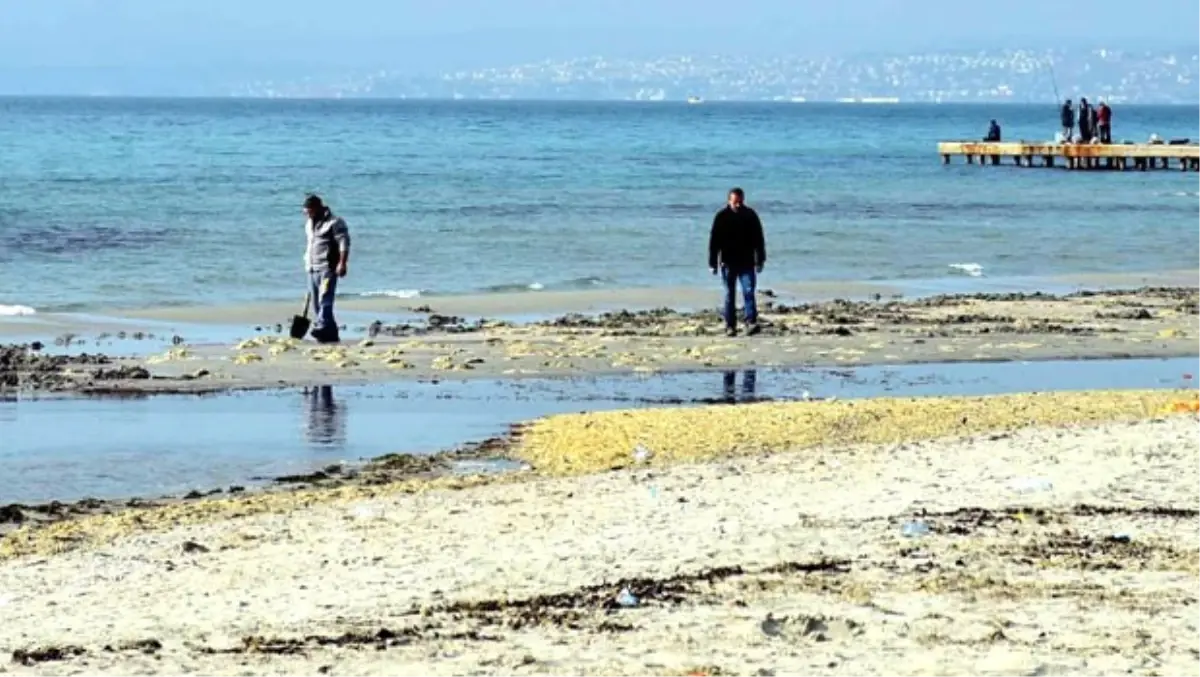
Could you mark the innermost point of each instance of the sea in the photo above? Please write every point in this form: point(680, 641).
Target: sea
point(140, 203)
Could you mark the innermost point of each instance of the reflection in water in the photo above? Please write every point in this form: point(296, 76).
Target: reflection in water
point(324, 418)
point(749, 384)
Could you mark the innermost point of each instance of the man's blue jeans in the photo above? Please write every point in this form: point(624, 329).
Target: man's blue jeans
point(323, 286)
point(747, 279)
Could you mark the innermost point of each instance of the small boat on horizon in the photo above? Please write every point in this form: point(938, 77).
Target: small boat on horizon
point(694, 99)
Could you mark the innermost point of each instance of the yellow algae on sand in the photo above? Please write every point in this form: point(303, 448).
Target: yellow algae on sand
point(328, 354)
point(93, 530)
point(589, 442)
point(247, 358)
point(178, 353)
point(521, 349)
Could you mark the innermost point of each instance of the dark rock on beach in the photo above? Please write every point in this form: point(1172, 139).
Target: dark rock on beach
point(24, 368)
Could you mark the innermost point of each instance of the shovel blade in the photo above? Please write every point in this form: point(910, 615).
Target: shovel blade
point(300, 325)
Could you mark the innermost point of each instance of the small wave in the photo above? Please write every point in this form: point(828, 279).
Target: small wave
point(972, 269)
point(510, 288)
point(564, 285)
point(16, 311)
point(394, 293)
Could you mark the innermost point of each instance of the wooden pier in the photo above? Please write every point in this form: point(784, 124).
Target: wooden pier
point(1118, 156)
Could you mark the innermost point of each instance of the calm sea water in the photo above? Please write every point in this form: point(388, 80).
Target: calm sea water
point(134, 203)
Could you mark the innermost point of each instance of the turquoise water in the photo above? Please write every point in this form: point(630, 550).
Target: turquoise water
point(135, 203)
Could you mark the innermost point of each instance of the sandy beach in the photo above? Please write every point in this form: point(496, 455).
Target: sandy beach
point(1053, 548)
point(1142, 322)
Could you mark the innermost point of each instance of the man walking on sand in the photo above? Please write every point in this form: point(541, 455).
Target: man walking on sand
point(738, 251)
point(325, 260)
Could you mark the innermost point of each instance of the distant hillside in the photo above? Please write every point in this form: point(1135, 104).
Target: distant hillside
point(965, 76)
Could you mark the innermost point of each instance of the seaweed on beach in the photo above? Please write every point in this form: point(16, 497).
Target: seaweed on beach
point(572, 609)
point(44, 654)
point(591, 608)
point(379, 640)
point(969, 520)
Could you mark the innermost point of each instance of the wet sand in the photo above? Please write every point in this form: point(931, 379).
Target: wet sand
point(1050, 550)
point(1145, 322)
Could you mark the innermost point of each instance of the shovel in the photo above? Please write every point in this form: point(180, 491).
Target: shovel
point(301, 323)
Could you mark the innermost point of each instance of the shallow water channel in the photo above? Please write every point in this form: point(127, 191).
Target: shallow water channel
point(70, 448)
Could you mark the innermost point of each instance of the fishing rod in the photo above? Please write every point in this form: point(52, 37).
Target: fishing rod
point(1053, 80)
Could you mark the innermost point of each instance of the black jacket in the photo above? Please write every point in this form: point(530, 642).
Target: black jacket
point(1085, 117)
point(736, 240)
point(1068, 116)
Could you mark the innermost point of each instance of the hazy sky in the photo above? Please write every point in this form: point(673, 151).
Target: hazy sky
point(222, 38)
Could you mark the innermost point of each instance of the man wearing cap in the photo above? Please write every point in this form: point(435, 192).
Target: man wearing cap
point(325, 260)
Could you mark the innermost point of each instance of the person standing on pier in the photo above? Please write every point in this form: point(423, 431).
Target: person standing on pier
point(993, 133)
point(1068, 120)
point(737, 250)
point(1104, 122)
point(325, 260)
point(1085, 121)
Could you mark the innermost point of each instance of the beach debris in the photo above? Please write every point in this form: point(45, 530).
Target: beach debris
point(771, 626)
point(626, 599)
point(914, 529)
point(366, 343)
point(192, 548)
point(247, 358)
point(1031, 485)
point(366, 512)
point(1120, 538)
point(399, 363)
point(444, 362)
point(641, 454)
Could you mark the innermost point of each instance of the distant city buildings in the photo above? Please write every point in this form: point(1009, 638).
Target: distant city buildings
point(981, 76)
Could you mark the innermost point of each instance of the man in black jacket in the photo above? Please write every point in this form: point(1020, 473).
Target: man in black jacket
point(1068, 120)
point(1085, 121)
point(738, 250)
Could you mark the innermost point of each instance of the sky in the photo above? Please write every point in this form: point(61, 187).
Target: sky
point(77, 41)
